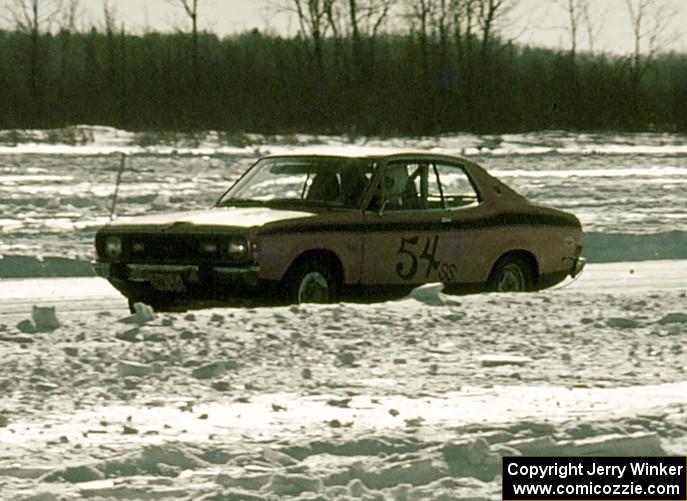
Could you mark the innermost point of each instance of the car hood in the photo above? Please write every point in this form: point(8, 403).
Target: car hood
point(218, 216)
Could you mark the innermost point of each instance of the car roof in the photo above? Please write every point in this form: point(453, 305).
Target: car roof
point(357, 152)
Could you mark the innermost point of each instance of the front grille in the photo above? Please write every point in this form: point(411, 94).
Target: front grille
point(173, 249)
point(164, 249)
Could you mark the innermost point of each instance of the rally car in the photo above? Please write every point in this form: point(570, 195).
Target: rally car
point(310, 225)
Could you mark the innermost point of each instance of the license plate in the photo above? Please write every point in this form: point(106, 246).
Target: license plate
point(168, 282)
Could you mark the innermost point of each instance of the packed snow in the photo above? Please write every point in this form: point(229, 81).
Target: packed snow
point(411, 399)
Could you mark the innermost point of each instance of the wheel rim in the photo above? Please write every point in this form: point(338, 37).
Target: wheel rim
point(314, 288)
point(512, 279)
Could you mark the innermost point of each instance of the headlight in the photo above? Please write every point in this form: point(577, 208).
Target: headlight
point(237, 246)
point(208, 247)
point(113, 246)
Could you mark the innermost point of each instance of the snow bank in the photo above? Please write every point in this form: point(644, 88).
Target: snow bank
point(618, 247)
point(14, 266)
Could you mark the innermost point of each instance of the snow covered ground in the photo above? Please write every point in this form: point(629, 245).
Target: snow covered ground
point(410, 399)
point(400, 400)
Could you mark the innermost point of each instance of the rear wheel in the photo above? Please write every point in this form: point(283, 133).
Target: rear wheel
point(512, 274)
point(312, 281)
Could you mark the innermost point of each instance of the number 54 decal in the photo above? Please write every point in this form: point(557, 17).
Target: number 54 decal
point(409, 264)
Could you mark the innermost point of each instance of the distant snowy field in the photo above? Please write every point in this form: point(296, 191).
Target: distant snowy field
point(56, 186)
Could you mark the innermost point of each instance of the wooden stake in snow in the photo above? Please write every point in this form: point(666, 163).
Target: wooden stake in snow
point(122, 164)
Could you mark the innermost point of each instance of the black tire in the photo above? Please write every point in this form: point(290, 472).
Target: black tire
point(312, 281)
point(512, 274)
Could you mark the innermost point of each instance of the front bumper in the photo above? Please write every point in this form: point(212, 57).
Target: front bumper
point(175, 278)
point(578, 267)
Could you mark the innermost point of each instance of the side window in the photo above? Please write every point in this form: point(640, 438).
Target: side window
point(343, 183)
point(401, 187)
point(324, 186)
point(452, 184)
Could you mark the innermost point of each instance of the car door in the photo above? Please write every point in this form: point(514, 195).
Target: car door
point(467, 224)
point(410, 226)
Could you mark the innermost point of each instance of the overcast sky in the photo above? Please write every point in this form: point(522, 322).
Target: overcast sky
point(535, 21)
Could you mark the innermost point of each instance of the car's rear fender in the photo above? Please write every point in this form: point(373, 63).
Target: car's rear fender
point(523, 254)
point(552, 249)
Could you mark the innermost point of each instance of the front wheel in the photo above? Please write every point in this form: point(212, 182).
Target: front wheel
point(511, 274)
point(312, 282)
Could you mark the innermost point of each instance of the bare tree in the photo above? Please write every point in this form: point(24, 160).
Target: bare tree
point(68, 18)
point(357, 46)
point(366, 18)
point(315, 18)
point(191, 9)
point(442, 22)
point(489, 14)
point(110, 19)
point(32, 17)
point(334, 12)
point(574, 13)
point(649, 21)
point(463, 22)
point(335, 15)
point(109, 16)
point(580, 16)
point(360, 19)
point(593, 23)
point(422, 13)
point(456, 17)
point(71, 10)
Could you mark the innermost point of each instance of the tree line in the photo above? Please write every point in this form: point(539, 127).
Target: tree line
point(443, 67)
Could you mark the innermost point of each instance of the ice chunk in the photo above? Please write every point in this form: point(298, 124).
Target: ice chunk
point(674, 318)
point(293, 484)
point(126, 369)
point(496, 360)
point(215, 369)
point(44, 318)
point(143, 315)
point(622, 323)
point(429, 294)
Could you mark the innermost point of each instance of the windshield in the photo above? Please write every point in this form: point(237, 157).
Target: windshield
point(308, 181)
